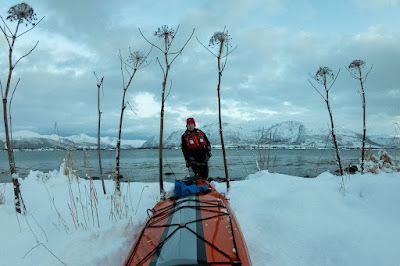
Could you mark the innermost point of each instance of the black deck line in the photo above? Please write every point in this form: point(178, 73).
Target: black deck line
point(164, 235)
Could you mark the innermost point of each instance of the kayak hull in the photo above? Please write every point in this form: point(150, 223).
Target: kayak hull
point(196, 229)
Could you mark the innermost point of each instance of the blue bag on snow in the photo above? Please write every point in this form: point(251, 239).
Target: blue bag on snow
point(182, 189)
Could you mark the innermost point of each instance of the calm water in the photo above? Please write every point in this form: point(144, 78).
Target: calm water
point(142, 165)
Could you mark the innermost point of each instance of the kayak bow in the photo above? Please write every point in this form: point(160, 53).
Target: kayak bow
point(194, 229)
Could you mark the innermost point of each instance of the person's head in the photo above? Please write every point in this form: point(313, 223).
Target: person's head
point(190, 123)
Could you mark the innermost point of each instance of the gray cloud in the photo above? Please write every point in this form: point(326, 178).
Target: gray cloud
point(265, 81)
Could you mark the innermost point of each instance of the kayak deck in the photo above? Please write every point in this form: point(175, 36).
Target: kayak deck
point(195, 229)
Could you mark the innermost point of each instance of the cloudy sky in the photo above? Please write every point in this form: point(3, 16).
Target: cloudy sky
point(266, 81)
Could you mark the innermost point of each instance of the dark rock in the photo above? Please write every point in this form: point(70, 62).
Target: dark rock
point(352, 169)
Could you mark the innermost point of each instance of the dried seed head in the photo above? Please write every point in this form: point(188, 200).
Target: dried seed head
point(324, 74)
point(220, 37)
point(164, 32)
point(22, 13)
point(136, 58)
point(356, 66)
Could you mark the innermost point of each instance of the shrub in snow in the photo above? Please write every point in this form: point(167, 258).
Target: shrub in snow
point(69, 167)
point(383, 162)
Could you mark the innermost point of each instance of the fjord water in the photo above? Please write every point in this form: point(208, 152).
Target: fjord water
point(142, 165)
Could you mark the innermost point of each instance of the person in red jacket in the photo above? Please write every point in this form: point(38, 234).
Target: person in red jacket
point(196, 149)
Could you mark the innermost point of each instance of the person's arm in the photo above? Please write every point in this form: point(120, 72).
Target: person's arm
point(208, 146)
point(184, 148)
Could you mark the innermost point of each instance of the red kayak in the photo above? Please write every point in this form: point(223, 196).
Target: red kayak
point(194, 229)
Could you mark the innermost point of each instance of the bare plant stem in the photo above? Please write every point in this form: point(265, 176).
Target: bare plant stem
point(10, 150)
point(219, 114)
point(160, 149)
point(355, 70)
point(11, 37)
point(364, 127)
point(41, 244)
point(167, 45)
point(269, 149)
point(325, 77)
point(99, 85)
point(333, 133)
point(120, 125)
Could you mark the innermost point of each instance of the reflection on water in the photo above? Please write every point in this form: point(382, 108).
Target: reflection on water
point(142, 165)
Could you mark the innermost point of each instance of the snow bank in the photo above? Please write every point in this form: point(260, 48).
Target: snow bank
point(286, 220)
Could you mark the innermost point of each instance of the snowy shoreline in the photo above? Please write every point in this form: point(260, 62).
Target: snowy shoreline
point(286, 220)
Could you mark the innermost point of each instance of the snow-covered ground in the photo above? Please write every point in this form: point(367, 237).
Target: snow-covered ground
point(286, 220)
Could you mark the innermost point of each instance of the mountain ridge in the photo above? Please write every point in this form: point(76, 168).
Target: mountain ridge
point(30, 140)
point(287, 134)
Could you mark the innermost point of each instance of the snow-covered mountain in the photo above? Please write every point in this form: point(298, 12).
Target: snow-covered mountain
point(233, 136)
point(285, 134)
point(289, 132)
point(30, 140)
point(152, 142)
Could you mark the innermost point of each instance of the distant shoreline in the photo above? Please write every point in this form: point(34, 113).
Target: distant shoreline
point(213, 147)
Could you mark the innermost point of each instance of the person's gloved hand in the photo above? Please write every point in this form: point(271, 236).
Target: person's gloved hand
point(209, 154)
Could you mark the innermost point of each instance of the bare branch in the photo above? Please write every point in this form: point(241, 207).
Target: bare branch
point(360, 94)
point(1, 89)
point(26, 54)
point(47, 240)
point(366, 75)
point(144, 60)
point(9, 107)
point(333, 82)
point(127, 71)
point(102, 88)
point(362, 79)
point(226, 56)
point(316, 89)
point(145, 65)
point(12, 95)
point(158, 60)
point(206, 47)
point(152, 44)
point(122, 71)
point(126, 64)
point(30, 28)
point(7, 37)
point(229, 52)
point(5, 26)
point(183, 47)
point(99, 84)
point(130, 107)
point(352, 74)
point(43, 245)
point(170, 87)
point(172, 39)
